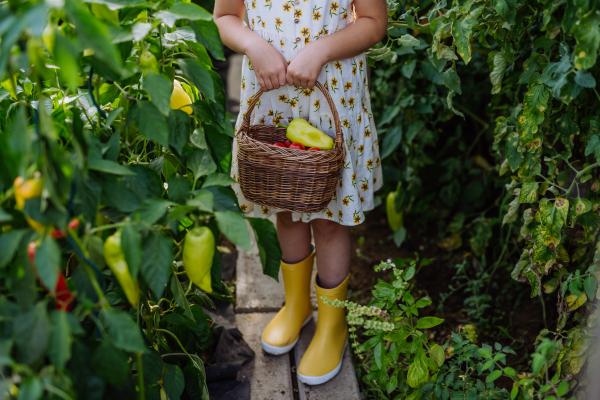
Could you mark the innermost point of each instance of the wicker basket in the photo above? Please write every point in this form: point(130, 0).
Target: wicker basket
point(286, 179)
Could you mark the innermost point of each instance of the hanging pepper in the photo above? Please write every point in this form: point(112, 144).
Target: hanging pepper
point(62, 294)
point(198, 252)
point(28, 189)
point(115, 259)
point(394, 217)
point(58, 234)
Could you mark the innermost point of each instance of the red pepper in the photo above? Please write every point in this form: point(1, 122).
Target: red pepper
point(62, 294)
point(57, 234)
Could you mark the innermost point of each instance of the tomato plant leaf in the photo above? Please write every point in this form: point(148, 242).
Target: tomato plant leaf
point(452, 80)
point(590, 285)
point(506, 8)
point(553, 218)
point(593, 147)
point(493, 376)
point(529, 192)
point(461, 31)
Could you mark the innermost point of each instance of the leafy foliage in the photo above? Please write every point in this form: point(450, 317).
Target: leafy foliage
point(85, 109)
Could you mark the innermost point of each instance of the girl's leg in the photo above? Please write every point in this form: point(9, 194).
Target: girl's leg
point(294, 238)
point(281, 334)
point(333, 244)
point(323, 358)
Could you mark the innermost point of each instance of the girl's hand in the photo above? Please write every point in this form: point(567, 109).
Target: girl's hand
point(269, 65)
point(306, 66)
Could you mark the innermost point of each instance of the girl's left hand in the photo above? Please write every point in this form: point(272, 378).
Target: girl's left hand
point(306, 66)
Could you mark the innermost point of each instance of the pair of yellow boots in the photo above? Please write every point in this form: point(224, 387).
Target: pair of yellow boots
point(323, 358)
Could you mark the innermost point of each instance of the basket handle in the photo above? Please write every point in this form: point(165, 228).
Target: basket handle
point(339, 137)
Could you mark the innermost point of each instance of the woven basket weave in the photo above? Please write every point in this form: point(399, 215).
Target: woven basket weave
point(287, 179)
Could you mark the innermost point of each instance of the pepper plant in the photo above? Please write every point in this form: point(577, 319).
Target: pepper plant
point(102, 175)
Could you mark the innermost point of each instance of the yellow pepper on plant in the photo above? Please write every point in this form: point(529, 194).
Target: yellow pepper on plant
point(115, 259)
point(198, 253)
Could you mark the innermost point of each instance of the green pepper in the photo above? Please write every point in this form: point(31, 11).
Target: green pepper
point(198, 252)
point(115, 259)
point(394, 217)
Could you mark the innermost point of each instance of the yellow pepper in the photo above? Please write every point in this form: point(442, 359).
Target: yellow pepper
point(179, 99)
point(115, 259)
point(25, 190)
point(300, 131)
point(198, 253)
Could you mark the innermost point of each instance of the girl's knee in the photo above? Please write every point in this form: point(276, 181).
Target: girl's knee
point(327, 227)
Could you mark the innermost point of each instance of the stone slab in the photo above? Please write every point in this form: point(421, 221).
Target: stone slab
point(270, 376)
point(343, 386)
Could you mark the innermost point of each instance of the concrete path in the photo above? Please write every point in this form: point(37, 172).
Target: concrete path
point(274, 377)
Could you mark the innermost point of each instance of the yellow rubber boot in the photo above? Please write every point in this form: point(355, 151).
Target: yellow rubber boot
point(323, 358)
point(281, 334)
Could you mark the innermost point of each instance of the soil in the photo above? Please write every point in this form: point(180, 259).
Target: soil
point(519, 316)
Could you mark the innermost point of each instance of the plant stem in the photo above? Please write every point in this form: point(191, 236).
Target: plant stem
point(420, 28)
point(176, 339)
point(140, 369)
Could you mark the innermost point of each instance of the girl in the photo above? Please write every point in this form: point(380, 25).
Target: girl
point(289, 45)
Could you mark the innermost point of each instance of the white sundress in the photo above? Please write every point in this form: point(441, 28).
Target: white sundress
point(289, 26)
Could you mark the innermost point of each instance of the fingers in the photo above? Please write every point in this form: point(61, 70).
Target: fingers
point(282, 78)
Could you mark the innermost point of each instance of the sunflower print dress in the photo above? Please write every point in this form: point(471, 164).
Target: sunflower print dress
point(289, 26)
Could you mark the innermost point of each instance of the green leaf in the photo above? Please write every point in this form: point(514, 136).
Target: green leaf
point(188, 11)
point(536, 102)
point(153, 367)
point(199, 75)
point(418, 371)
point(31, 331)
point(122, 331)
point(461, 31)
point(173, 381)
point(512, 212)
point(201, 163)
point(563, 388)
point(553, 218)
point(493, 376)
point(587, 34)
point(9, 243)
point(268, 246)
point(66, 54)
point(391, 140)
point(159, 87)
point(111, 363)
point(409, 273)
point(218, 179)
point(118, 4)
point(207, 34)
point(585, 79)
point(510, 371)
point(451, 104)
point(151, 210)
point(428, 322)
point(485, 352)
point(581, 206)
point(179, 296)
point(131, 242)
point(234, 227)
point(514, 393)
point(379, 354)
point(498, 65)
point(529, 192)
point(93, 34)
point(513, 155)
point(59, 349)
point(31, 388)
point(109, 167)
point(150, 122)
point(437, 354)
point(593, 147)
point(157, 262)
point(203, 200)
point(195, 380)
point(452, 80)
point(590, 286)
point(409, 40)
point(507, 9)
point(47, 262)
point(179, 130)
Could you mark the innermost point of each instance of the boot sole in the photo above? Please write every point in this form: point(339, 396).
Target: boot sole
point(276, 350)
point(319, 380)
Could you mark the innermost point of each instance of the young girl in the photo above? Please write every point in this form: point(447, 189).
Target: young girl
point(289, 45)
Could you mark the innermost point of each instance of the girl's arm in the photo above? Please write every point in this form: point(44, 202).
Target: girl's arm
point(368, 29)
point(269, 65)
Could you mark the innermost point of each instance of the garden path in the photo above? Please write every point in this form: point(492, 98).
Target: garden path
point(274, 377)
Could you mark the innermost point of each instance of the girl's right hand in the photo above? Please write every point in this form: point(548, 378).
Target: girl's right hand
point(269, 65)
